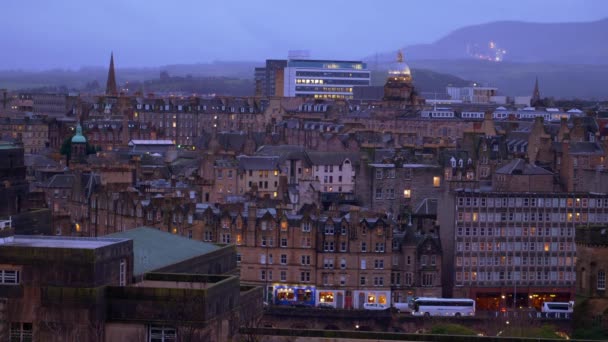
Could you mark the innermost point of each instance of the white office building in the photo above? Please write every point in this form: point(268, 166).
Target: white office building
point(324, 79)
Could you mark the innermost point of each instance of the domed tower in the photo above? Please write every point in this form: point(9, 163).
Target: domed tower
point(79, 146)
point(398, 86)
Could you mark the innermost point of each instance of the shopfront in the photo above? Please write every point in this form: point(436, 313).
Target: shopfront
point(334, 298)
point(380, 297)
point(294, 294)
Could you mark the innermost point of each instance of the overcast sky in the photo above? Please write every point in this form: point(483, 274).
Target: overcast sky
point(44, 34)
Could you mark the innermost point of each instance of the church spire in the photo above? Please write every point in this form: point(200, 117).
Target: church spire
point(111, 85)
point(535, 94)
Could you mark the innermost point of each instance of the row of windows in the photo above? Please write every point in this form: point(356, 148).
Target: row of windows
point(525, 202)
point(516, 231)
point(531, 216)
point(391, 173)
point(515, 261)
point(332, 74)
point(562, 276)
point(515, 246)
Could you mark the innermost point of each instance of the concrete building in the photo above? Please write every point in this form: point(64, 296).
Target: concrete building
point(139, 285)
point(324, 78)
point(269, 79)
point(475, 94)
point(517, 249)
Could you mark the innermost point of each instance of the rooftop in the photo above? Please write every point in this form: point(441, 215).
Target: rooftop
point(154, 249)
point(61, 242)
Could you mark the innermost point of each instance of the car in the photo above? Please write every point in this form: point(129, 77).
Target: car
point(325, 306)
point(374, 306)
point(301, 305)
point(402, 308)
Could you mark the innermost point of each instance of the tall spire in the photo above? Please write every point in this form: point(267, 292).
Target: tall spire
point(111, 85)
point(535, 94)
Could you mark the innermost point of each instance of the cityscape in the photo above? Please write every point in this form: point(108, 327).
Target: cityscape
point(305, 197)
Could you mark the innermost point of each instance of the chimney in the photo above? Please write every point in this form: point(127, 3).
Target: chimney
point(252, 212)
point(7, 232)
point(354, 217)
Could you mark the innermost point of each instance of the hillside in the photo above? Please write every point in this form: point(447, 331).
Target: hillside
point(567, 43)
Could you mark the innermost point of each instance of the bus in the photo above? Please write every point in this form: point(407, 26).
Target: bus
point(456, 307)
point(565, 307)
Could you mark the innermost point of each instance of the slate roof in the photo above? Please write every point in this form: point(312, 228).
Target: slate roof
point(60, 181)
point(427, 207)
point(332, 158)
point(154, 249)
point(521, 167)
point(258, 162)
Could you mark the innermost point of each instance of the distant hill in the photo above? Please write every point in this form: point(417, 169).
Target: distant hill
point(225, 78)
point(568, 43)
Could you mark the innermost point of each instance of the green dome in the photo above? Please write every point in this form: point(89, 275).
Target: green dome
point(78, 137)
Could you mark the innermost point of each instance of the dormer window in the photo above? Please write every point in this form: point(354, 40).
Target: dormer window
point(329, 229)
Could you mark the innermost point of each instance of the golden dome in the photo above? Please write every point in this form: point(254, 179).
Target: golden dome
point(399, 68)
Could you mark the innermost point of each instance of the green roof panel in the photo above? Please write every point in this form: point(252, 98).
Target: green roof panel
point(154, 249)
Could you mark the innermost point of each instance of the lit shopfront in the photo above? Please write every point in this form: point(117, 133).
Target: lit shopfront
point(334, 298)
point(380, 297)
point(294, 294)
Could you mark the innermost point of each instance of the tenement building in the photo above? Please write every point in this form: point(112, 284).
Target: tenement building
point(517, 249)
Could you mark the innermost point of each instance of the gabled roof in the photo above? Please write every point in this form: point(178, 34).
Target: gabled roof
point(60, 181)
point(521, 167)
point(332, 158)
point(428, 207)
point(154, 249)
point(258, 162)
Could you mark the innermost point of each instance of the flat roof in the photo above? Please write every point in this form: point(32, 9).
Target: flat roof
point(61, 242)
point(154, 249)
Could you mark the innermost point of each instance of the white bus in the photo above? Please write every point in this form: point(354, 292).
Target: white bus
point(565, 307)
point(428, 306)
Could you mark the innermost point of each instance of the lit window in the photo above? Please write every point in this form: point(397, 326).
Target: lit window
point(436, 181)
point(407, 193)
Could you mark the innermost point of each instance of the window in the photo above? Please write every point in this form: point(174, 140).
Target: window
point(379, 174)
point(379, 193)
point(436, 181)
point(21, 332)
point(305, 259)
point(329, 229)
point(427, 279)
point(407, 193)
point(9, 277)
point(283, 259)
point(363, 247)
point(238, 258)
point(601, 280)
point(380, 247)
point(283, 275)
point(283, 242)
point(305, 276)
point(306, 227)
point(162, 334)
point(409, 279)
point(343, 246)
point(123, 273)
point(362, 280)
point(379, 264)
point(328, 246)
point(262, 274)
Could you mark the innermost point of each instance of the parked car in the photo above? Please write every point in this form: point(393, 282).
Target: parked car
point(374, 306)
point(402, 307)
point(301, 305)
point(325, 306)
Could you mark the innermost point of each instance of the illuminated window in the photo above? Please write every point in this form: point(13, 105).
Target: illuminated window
point(436, 181)
point(407, 193)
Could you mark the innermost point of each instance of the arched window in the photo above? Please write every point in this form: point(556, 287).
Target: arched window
point(601, 280)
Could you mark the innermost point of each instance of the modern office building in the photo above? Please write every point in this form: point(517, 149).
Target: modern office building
point(269, 80)
point(474, 94)
point(324, 79)
point(518, 249)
